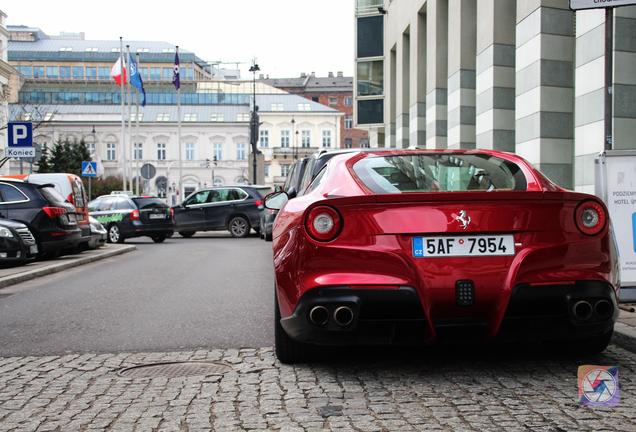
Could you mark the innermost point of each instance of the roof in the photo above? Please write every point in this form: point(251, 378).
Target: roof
point(290, 103)
point(311, 83)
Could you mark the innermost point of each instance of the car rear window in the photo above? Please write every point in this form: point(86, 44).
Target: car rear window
point(52, 195)
point(445, 172)
point(149, 203)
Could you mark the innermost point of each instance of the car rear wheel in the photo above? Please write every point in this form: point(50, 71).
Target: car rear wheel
point(268, 236)
point(186, 234)
point(158, 238)
point(114, 234)
point(288, 351)
point(239, 227)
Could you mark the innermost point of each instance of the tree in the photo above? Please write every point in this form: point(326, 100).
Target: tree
point(43, 163)
point(65, 157)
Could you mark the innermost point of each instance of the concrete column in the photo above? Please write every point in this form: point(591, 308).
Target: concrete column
point(461, 73)
point(436, 72)
point(495, 122)
point(544, 87)
point(403, 70)
point(417, 111)
point(625, 78)
point(390, 104)
point(589, 98)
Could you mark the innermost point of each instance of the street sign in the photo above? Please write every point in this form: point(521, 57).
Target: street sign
point(148, 171)
point(599, 4)
point(20, 140)
point(89, 169)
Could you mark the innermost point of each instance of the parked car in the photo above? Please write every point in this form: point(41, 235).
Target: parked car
point(70, 186)
point(316, 162)
point(98, 234)
point(127, 217)
point(425, 246)
point(17, 244)
point(51, 219)
point(291, 187)
point(233, 208)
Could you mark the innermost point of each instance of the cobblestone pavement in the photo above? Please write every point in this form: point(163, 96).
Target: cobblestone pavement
point(370, 391)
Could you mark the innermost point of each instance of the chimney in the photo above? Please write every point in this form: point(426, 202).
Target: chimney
point(330, 74)
point(340, 74)
point(303, 75)
point(313, 74)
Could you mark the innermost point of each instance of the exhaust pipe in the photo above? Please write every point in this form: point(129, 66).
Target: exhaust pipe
point(343, 316)
point(319, 315)
point(604, 309)
point(582, 310)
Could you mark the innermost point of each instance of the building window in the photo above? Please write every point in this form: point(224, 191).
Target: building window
point(138, 151)
point(155, 74)
point(370, 111)
point(326, 138)
point(240, 151)
point(315, 99)
point(243, 117)
point(104, 73)
point(364, 143)
point(348, 122)
point(277, 107)
point(166, 74)
point(304, 107)
point(161, 151)
point(52, 72)
point(284, 138)
point(370, 36)
point(266, 170)
point(91, 73)
point(163, 117)
point(65, 72)
point(216, 117)
point(38, 71)
point(348, 101)
point(264, 138)
point(218, 151)
point(189, 151)
point(78, 72)
point(348, 143)
point(284, 170)
point(370, 78)
point(89, 146)
point(111, 153)
point(333, 100)
point(305, 138)
point(190, 117)
point(136, 117)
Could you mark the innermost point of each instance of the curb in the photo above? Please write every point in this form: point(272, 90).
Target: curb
point(58, 267)
point(624, 336)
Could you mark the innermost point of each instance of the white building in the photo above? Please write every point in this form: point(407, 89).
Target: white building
point(5, 74)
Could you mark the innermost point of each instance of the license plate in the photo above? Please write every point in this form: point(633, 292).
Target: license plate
point(157, 216)
point(72, 217)
point(33, 249)
point(431, 247)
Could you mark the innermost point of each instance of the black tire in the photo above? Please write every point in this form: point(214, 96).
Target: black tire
point(268, 237)
point(186, 234)
point(158, 238)
point(287, 350)
point(239, 227)
point(114, 234)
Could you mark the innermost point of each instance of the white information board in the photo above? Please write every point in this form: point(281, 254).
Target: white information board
point(618, 189)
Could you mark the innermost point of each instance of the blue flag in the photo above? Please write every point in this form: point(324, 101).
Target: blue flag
point(135, 79)
point(176, 79)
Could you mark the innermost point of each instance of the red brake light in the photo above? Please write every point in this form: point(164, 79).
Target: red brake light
point(70, 199)
point(53, 212)
point(590, 217)
point(259, 203)
point(134, 215)
point(323, 223)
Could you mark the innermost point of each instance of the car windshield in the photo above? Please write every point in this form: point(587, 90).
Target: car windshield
point(445, 172)
point(149, 203)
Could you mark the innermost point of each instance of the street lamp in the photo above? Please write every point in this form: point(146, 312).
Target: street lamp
point(293, 122)
point(254, 117)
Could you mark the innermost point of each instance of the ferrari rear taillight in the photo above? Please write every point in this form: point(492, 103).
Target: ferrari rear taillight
point(323, 223)
point(590, 217)
point(134, 216)
point(53, 212)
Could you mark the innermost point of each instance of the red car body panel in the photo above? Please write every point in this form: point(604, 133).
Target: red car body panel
point(374, 248)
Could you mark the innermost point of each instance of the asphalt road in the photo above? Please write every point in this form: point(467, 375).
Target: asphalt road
point(207, 291)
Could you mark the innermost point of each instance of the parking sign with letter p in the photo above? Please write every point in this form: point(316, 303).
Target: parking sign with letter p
point(20, 134)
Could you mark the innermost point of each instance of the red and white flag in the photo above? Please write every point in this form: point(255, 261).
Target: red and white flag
point(118, 72)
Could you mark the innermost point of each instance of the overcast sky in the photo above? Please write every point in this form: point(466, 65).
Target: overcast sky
point(286, 36)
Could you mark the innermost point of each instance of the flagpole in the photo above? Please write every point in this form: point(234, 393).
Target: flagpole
point(123, 120)
point(130, 136)
point(179, 131)
point(137, 133)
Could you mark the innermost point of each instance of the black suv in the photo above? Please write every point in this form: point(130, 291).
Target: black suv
point(50, 218)
point(125, 217)
point(232, 208)
point(17, 244)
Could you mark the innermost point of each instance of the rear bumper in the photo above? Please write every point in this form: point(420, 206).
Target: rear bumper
point(395, 316)
point(140, 229)
point(51, 242)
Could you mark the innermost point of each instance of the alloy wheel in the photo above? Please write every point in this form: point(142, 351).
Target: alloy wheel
point(113, 234)
point(239, 227)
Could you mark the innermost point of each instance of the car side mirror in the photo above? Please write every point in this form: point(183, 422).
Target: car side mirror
point(292, 192)
point(276, 200)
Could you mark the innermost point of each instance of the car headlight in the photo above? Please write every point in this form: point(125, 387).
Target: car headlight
point(5, 232)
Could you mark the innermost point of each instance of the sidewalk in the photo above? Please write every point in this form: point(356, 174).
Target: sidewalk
point(14, 275)
point(625, 328)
